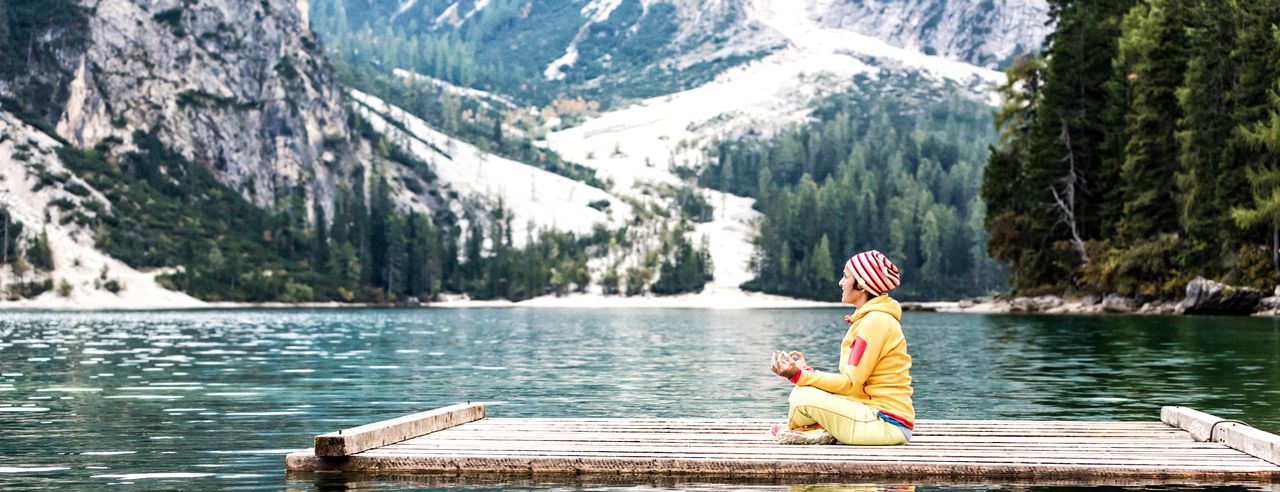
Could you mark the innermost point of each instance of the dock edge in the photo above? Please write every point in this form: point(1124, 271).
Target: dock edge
point(347, 442)
point(1234, 434)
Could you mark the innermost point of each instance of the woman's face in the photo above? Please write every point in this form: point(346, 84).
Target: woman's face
point(846, 284)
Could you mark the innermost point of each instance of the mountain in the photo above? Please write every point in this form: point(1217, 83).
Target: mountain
point(987, 33)
point(163, 94)
point(237, 85)
point(416, 148)
point(617, 50)
point(645, 146)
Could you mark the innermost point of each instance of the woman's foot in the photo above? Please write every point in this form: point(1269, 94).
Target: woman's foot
point(811, 434)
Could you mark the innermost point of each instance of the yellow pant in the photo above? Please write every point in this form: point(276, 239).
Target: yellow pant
point(849, 421)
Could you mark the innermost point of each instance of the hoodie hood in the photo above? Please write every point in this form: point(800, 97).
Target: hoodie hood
point(882, 304)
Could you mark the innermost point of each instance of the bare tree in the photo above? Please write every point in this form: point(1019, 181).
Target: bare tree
point(1065, 200)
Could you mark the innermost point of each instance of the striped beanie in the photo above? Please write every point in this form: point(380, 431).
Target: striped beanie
point(875, 272)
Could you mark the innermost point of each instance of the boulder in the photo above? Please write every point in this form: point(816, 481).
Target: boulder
point(1116, 303)
point(917, 307)
point(1269, 304)
point(1034, 304)
point(1159, 307)
point(1090, 300)
point(1206, 296)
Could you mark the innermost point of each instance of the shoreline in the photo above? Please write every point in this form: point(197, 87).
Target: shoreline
point(714, 298)
point(1039, 305)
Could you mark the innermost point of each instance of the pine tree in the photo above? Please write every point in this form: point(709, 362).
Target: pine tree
point(1205, 124)
point(1253, 102)
point(820, 269)
point(40, 254)
point(931, 246)
point(1264, 175)
point(380, 211)
point(395, 258)
point(1151, 60)
point(320, 238)
point(1072, 126)
point(359, 226)
point(20, 267)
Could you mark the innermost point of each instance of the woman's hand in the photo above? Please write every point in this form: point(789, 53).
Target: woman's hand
point(783, 365)
point(799, 358)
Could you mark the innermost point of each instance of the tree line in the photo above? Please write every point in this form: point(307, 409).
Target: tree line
point(1140, 149)
point(899, 174)
point(361, 246)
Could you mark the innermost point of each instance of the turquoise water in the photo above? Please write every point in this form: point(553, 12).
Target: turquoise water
point(215, 399)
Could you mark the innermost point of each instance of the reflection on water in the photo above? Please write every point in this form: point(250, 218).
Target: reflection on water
point(214, 399)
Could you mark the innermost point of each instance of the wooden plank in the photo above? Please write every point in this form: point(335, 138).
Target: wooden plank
point(985, 456)
point(729, 468)
point(764, 440)
point(356, 439)
point(1173, 434)
point(914, 440)
point(834, 450)
point(680, 421)
point(1205, 427)
point(1257, 465)
point(506, 481)
point(742, 447)
point(534, 422)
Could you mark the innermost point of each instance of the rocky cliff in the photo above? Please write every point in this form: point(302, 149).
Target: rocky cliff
point(987, 33)
point(238, 86)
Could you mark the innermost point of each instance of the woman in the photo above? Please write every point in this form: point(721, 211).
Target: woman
point(869, 401)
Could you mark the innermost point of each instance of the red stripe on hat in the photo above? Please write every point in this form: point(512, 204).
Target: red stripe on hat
point(859, 269)
point(890, 271)
point(878, 283)
point(885, 277)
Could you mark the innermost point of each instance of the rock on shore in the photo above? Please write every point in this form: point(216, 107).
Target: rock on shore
point(1203, 296)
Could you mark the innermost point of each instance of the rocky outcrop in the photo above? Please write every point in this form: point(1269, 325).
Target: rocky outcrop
point(1115, 303)
point(985, 33)
point(238, 86)
point(1036, 304)
point(1206, 296)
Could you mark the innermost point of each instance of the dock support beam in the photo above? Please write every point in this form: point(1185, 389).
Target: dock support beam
point(347, 442)
point(1241, 437)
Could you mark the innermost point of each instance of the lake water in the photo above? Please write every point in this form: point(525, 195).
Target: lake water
point(215, 399)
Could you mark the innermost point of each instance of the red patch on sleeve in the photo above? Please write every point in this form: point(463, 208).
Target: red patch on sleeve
point(855, 352)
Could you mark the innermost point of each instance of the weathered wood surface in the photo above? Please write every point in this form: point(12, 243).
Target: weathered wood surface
point(347, 442)
point(942, 449)
point(1205, 427)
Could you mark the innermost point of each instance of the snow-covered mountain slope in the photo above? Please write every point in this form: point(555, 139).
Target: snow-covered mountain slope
point(987, 33)
point(762, 96)
point(614, 51)
point(536, 197)
point(25, 155)
point(237, 87)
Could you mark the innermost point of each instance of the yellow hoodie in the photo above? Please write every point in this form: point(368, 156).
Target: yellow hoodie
point(874, 365)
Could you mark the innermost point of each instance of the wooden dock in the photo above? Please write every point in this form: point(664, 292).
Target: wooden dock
point(1184, 445)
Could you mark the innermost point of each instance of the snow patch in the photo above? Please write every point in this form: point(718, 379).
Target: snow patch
point(711, 298)
point(640, 144)
point(450, 16)
point(482, 96)
point(404, 6)
point(809, 37)
point(76, 260)
point(595, 11)
point(534, 196)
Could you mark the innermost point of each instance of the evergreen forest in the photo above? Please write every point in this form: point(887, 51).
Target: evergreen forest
point(898, 173)
point(1140, 149)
